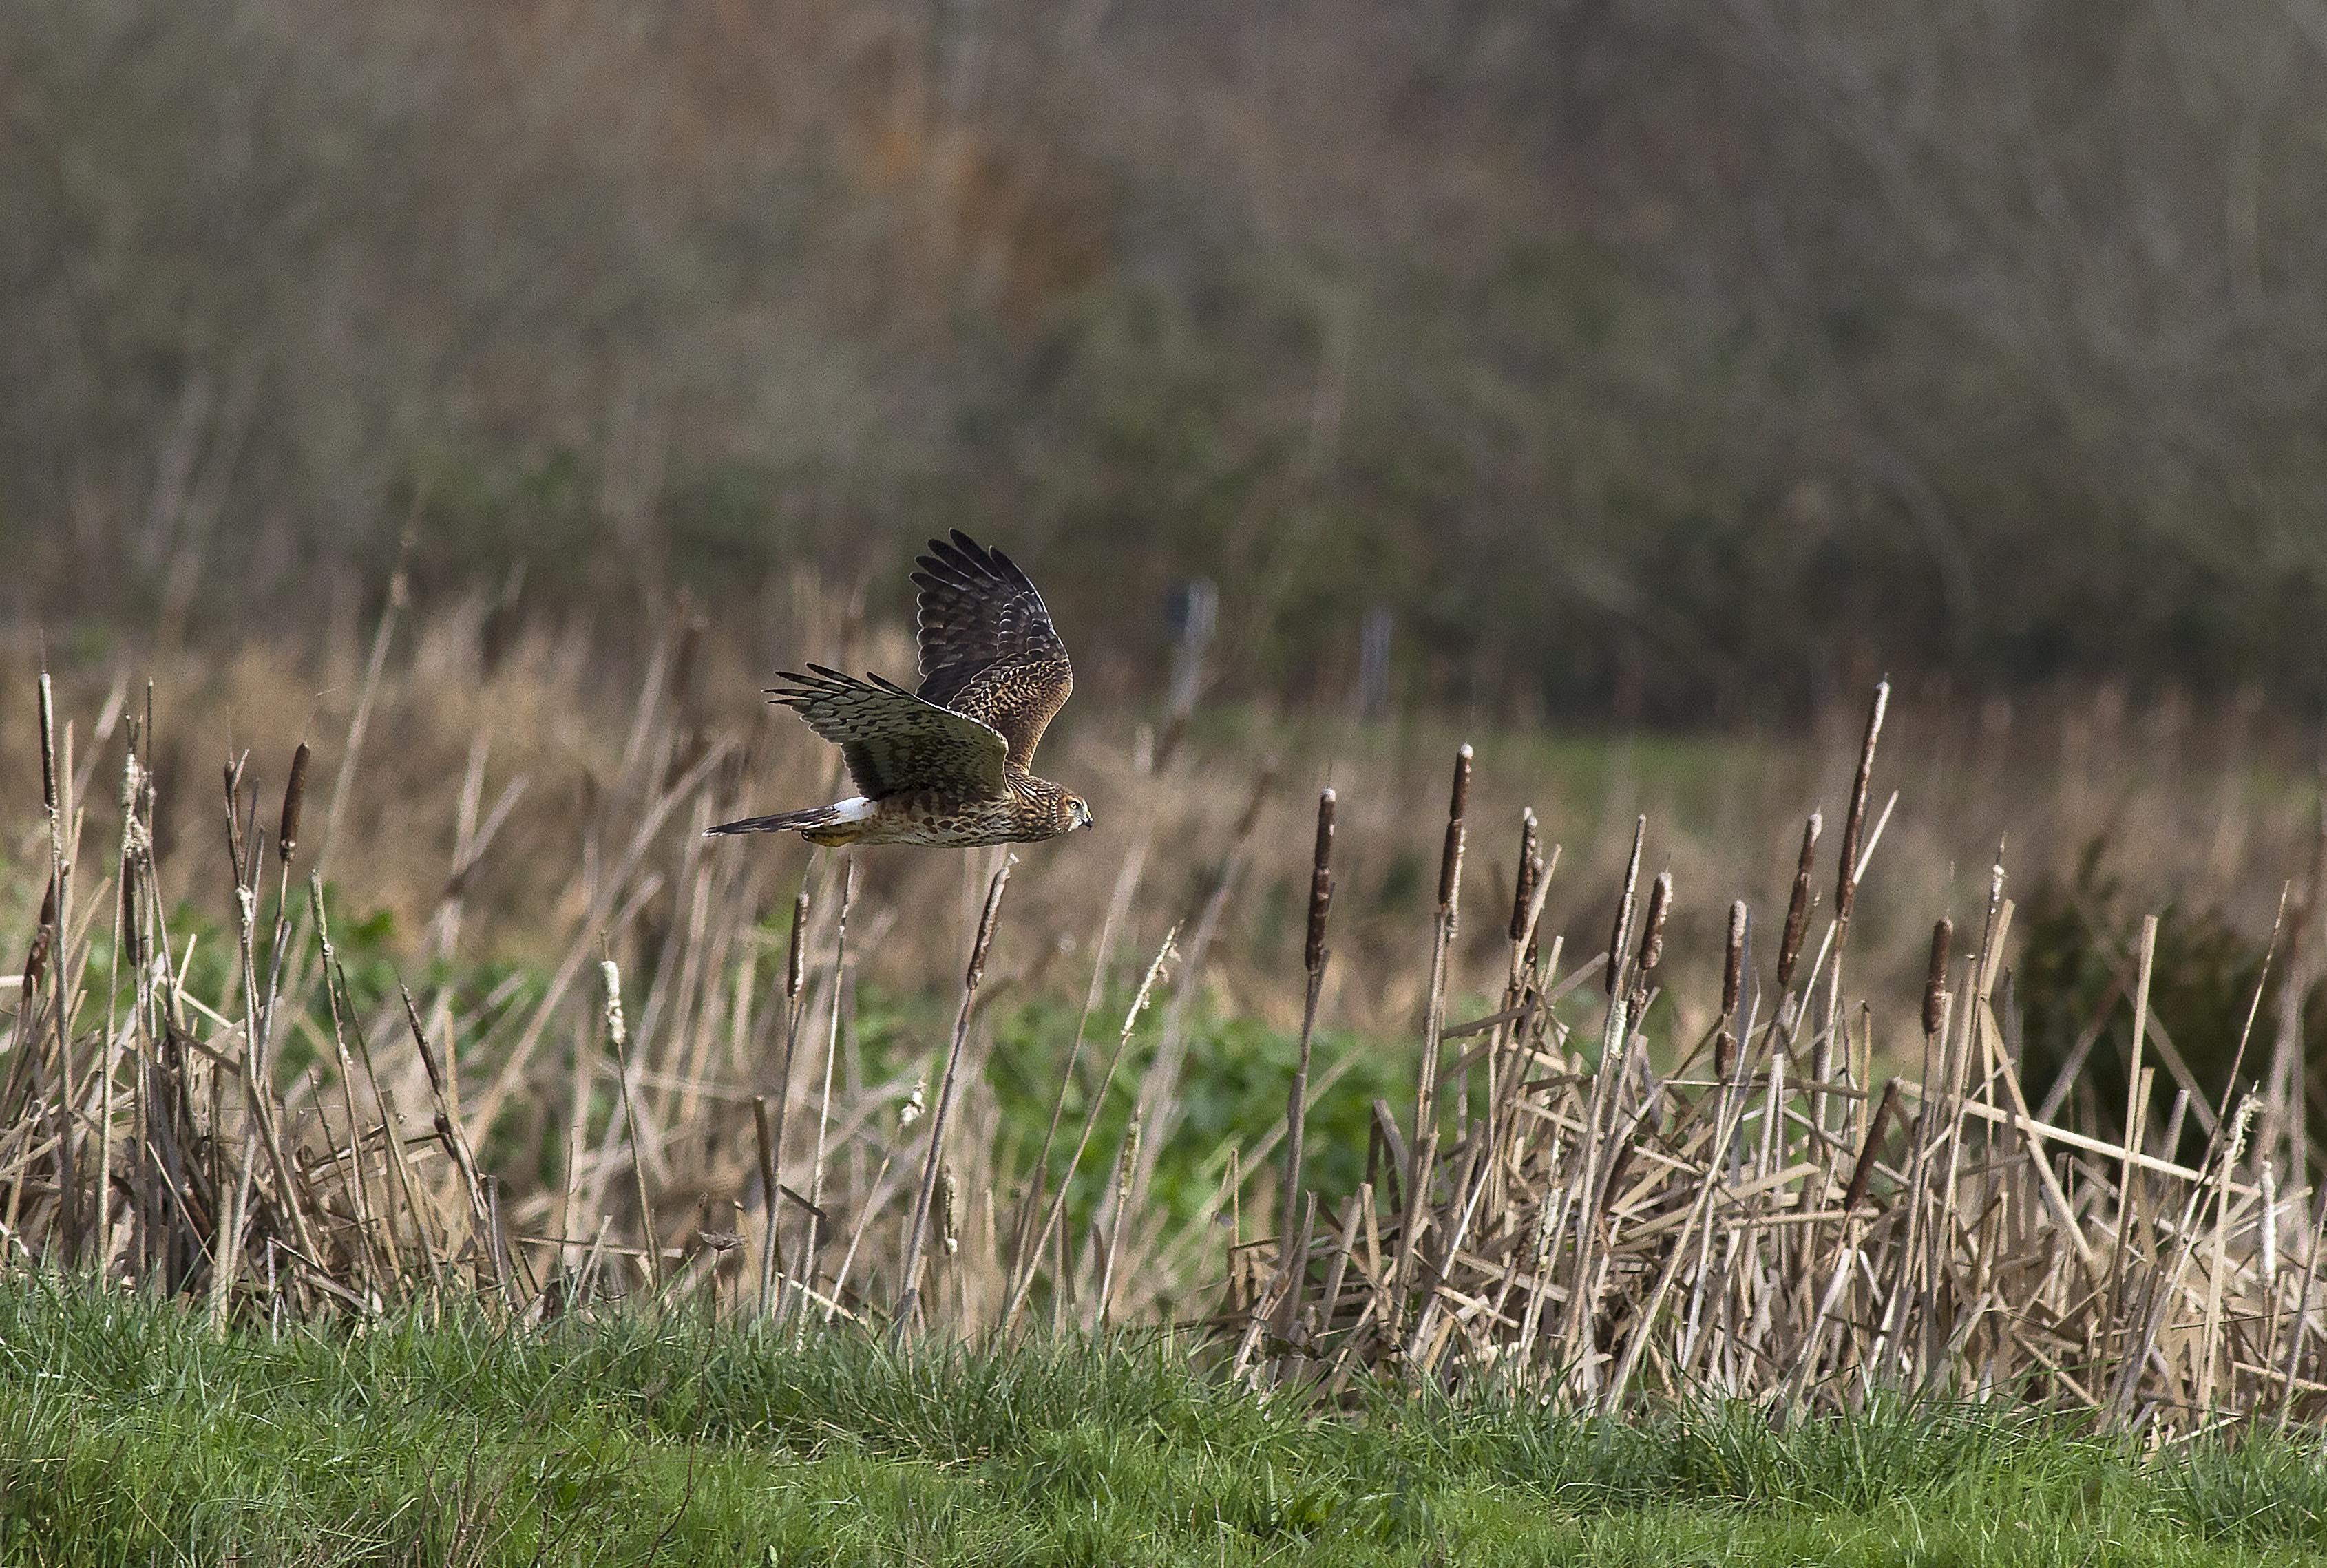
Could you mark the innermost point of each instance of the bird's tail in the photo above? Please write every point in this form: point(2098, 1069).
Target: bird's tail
point(834, 824)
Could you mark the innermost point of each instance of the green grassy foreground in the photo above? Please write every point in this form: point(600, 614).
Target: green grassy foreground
point(129, 1435)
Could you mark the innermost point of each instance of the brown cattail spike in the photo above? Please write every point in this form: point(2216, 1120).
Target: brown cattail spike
point(1935, 981)
point(1864, 1172)
point(1321, 885)
point(1797, 909)
point(1523, 882)
point(294, 794)
point(1652, 930)
point(48, 744)
point(1450, 862)
point(1854, 827)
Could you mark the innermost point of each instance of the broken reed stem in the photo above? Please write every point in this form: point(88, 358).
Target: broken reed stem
point(771, 1245)
point(2136, 1106)
point(1105, 1308)
point(808, 1273)
point(909, 1297)
point(55, 782)
point(768, 1137)
point(618, 1035)
point(454, 1138)
point(1314, 959)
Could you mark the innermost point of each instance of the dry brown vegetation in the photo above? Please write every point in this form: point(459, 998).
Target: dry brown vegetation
point(1717, 1172)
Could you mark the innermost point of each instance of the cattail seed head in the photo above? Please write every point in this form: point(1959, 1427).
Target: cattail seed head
point(1854, 828)
point(1798, 908)
point(796, 970)
point(1450, 861)
point(611, 975)
point(48, 744)
point(1935, 980)
point(1530, 866)
point(294, 795)
point(1862, 1172)
point(1321, 885)
point(1732, 967)
point(1652, 930)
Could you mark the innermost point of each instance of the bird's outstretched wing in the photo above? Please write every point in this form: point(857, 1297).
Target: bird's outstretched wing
point(893, 740)
point(988, 649)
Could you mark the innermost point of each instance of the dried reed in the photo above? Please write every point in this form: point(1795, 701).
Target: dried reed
point(1594, 1224)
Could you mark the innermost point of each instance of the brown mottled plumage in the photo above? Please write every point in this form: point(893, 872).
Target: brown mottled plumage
point(945, 765)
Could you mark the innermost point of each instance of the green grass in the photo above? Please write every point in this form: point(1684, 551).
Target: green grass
point(129, 1435)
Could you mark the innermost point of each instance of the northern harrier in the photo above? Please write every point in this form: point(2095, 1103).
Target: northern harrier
point(946, 765)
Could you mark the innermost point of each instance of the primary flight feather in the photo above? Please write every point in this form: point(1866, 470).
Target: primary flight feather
point(950, 763)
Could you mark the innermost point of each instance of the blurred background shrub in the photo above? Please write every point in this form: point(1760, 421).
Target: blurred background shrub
point(1682, 361)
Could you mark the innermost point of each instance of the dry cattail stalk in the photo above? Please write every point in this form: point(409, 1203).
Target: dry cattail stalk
point(975, 971)
point(1798, 908)
point(1586, 1222)
point(36, 958)
point(618, 1034)
point(294, 795)
point(1935, 979)
point(772, 1247)
point(1619, 935)
point(1314, 957)
point(1854, 827)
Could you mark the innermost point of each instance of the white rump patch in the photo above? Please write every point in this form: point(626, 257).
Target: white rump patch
point(856, 809)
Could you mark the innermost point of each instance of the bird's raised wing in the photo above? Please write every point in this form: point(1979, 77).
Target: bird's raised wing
point(894, 742)
point(988, 649)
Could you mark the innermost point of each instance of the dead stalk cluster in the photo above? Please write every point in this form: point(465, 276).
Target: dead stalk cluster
point(1571, 1200)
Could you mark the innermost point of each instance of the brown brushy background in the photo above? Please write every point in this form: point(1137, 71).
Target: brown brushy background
point(1692, 360)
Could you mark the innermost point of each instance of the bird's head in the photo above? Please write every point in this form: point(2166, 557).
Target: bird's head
point(1077, 812)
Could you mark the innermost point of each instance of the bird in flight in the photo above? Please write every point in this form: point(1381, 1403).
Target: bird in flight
point(948, 764)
